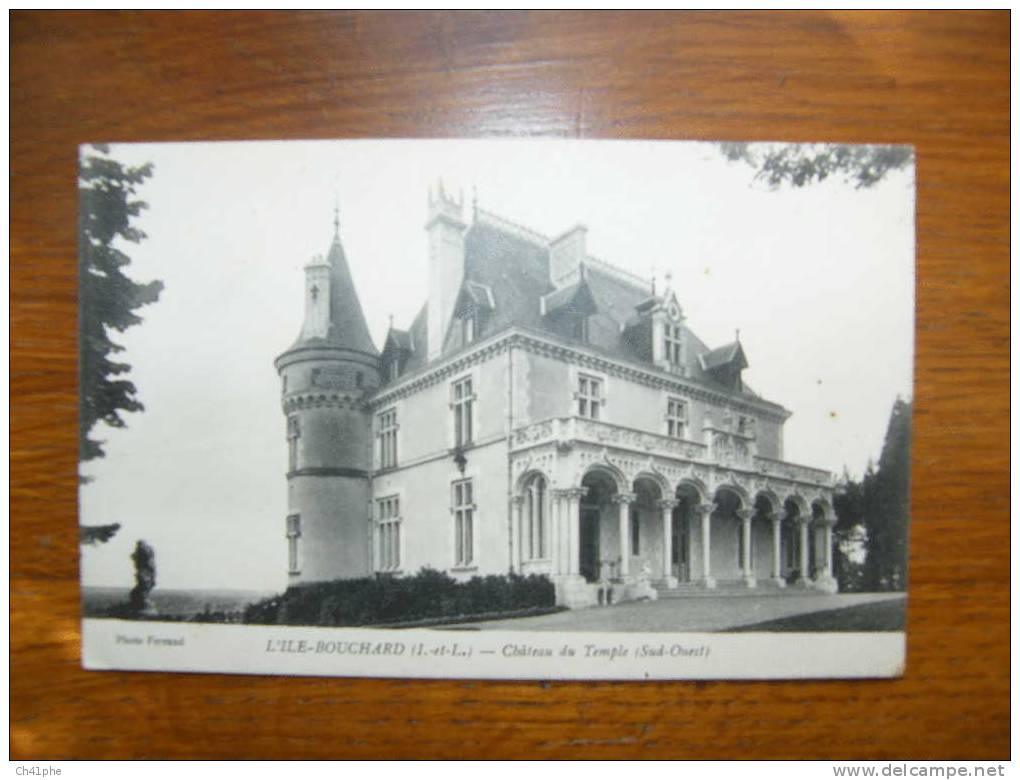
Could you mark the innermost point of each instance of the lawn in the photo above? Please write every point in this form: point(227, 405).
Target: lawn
point(876, 616)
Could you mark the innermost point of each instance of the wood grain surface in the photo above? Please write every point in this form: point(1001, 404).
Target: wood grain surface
point(937, 80)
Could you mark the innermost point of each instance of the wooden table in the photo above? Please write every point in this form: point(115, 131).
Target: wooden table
point(937, 80)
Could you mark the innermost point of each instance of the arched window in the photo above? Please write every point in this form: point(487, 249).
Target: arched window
point(534, 520)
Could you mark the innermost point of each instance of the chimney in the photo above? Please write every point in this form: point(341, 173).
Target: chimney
point(317, 296)
point(446, 228)
point(566, 254)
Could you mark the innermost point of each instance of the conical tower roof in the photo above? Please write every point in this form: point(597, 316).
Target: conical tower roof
point(347, 321)
point(347, 326)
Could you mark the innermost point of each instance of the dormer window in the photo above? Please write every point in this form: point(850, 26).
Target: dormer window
point(674, 345)
point(474, 305)
point(581, 328)
point(468, 328)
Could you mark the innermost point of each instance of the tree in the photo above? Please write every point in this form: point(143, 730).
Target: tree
point(887, 513)
point(850, 533)
point(803, 164)
point(107, 300)
point(96, 534)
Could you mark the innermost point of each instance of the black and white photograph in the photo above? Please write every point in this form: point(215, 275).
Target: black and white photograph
point(496, 408)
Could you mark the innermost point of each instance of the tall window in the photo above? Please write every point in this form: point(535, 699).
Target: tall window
point(581, 328)
point(745, 425)
point(463, 403)
point(293, 434)
point(534, 521)
point(674, 345)
point(464, 521)
point(590, 398)
point(388, 517)
point(293, 534)
point(468, 328)
point(635, 532)
point(676, 418)
point(387, 422)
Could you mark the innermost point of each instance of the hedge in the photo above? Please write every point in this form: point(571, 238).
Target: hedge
point(386, 600)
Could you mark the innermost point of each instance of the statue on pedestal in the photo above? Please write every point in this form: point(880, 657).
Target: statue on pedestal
point(144, 558)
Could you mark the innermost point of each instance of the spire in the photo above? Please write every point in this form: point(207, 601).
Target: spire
point(347, 320)
point(333, 314)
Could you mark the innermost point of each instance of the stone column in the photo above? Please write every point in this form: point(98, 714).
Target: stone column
point(572, 528)
point(561, 549)
point(828, 549)
point(745, 516)
point(805, 525)
point(825, 580)
point(667, 506)
point(777, 549)
point(623, 502)
point(706, 510)
point(518, 534)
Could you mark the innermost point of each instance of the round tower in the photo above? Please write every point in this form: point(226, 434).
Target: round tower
point(326, 377)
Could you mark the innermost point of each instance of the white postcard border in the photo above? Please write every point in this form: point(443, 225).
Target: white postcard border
point(510, 655)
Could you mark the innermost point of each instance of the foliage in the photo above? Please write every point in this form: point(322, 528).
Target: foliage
point(430, 594)
point(873, 515)
point(96, 534)
point(803, 164)
point(108, 298)
point(885, 567)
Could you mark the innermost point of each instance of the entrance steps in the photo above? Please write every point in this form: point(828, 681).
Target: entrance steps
point(686, 590)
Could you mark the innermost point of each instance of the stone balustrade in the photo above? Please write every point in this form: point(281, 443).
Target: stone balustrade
point(780, 468)
point(563, 430)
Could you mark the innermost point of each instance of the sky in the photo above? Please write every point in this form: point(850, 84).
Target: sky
point(819, 280)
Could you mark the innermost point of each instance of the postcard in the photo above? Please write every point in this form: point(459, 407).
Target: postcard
point(525, 409)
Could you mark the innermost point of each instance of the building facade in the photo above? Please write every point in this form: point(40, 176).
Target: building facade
point(545, 413)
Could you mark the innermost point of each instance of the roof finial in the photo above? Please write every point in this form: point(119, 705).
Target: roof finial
point(336, 215)
point(669, 279)
point(653, 280)
point(738, 335)
point(474, 201)
point(391, 321)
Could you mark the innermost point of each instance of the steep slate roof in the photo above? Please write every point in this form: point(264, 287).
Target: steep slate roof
point(419, 334)
point(576, 297)
point(479, 294)
point(513, 270)
point(347, 326)
point(397, 339)
point(724, 356)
